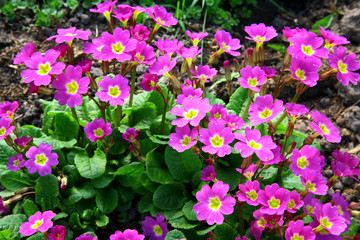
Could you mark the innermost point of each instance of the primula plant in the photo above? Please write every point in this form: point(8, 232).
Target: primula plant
point(194, 166)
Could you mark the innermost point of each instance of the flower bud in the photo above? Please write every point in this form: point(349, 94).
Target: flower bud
point(291, 147)
point(210, 161)
point(63, 183)
point(237, 65)
point(309, 140)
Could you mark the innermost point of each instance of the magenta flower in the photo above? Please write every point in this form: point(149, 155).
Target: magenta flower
point(297, 230)
point(168, 46)
point(269, 72)
point(162, 66)
point(5, 128)
point(70, 86)
point(41, 159)
point(227, 43)
point(140, 32)
point(208, 174)
point(23, 141)
point(196, 37)
point(7, 109)
point(149, 82)
point(308, 45)
point(97, 129)
point(41, 67)
point(324, 127)
point(249, 192)
point(130, 135)
point(183, 138)
point(128, 234)
point(189, 53)
point(274, 199)
point(296, 110)
point(268, 220)
point(156, 229)
point(260, 33)
point(69, 34)
point(203, 73)
point(264, 110)
point(38, 222)
point(192, 112)
point(188, 91)
point(85, 65)
point(342, 205)
point(305, 159)
point(119, 45)
point(113, 90)
point(309, 204)
point(95, 48)
point(252, 142)
point(143, 54)
point(241, 238)
point(305, 70)
point(249, 172)
point(329, 219)
point(3, 208)
point(15, 163)
point(295, 202)
point(218, 113)
point(25, 53)
point(104, 8)
point(57, 233)
point(288, 32)
point(161, 16)
point(331, 39)
point(234, 122)
point(62, 49)
point(252, 78)
point(278, 157)
point(86, 236)
point(314, 182)
point(345, 65)
point(123, 12)
point(216, 139)
point(213, 203)
point(344, 164)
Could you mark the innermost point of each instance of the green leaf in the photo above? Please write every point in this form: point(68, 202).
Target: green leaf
point(130, 176)
point(92, 167)
point(46, 192)
point(238, 100)
point(14, 181)
point(213, 99)
point(169, 196)
point(141, 117)
point(66, 127)
point(324, 22)
point(188, 210)
point(13, 223)
point(183, 223)
point(278, 47)
point(125, 194)
point(353, 228)
point(6, 152)
point(225, 232)
point(55, 143)
point(37, 236)
point(85, 191)
point(182, 166)
point(174, 235)
point(228, 174)
point(102, 221)
point(5, 235)
point(72, 4)
point(106, 199)
point(30, 208)
point(30, 131)
point(291, 181)
point(146, 203)
point(102, 181)
point(157, 169)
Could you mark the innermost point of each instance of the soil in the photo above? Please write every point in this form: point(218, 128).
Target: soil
point(341, 104)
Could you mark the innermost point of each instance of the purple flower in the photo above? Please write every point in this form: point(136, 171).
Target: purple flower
point(297, 230)
point(38, 222)
point(97, 129)
point(227, 43)
point(296, 110)
point(213, 203)
point(42, 67)
point(264, 110)
point(69, 34)
point(295, 202)
point(305, 70)
point(25, 53)
point(3, 208)
point(62, 49)
point(305, 159)
point(196, 37)
point(15, 163)
point(104, 8)
point(309, 204)
point(274, 199)
point(344, 164)
point(5, 128)
point(252, 142)
point(216, 139)
point(188, 91)
point(193, 111)
point(156, 229)
point(168, 46)
point(252, 78)
point(86, 236)
point(218, 113)
point(113, 90)
point(41, 159)
point(128, 234)
point(123, 13)
point(23, 141)
point(95, 48)
point(342, 205)
point(332, 39)
point(249, 171)
point(162, 66)
point(268, 220)
point(161, 16)
point(143, 54)
point(7, 109)
point(85, 65)
point(208, 174)
point(269, 72)
point(149, 82)
point(278, 157)
point(130, 135)
point(234, 122)
point(57, 233)
point(345, 66)
point(183, 138)
point(260, 33)
point(288, 32)
point(324, 127)
point(314, 182)
point(329, 219)
point(203, 73)
point(70, 86)
point(140, 32)
point(249, 192)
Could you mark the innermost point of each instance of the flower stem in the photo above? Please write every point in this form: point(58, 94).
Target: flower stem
point(241, 220)
point(246, 110)
point(163, 118)
point(118, 115)
point(294, 100)
point(132, 87)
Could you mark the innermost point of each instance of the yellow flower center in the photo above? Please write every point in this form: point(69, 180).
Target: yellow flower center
point(324, 129)
point(44, 69)
point(100, 48)
point(41, 159)
point(69, 35)
point(253, 82)
point(302, 162)
point(215, 203)
point(254, 145)
point(291, 204)
point(224, 46)
point(159, 21)
point(16, 163)
point(186, 141)
point(274, 203)
point(310, 209)
point(325, 222)
point(297, 237)
point(98, 132)
point(72, 87)
point(152, 84)
point(266, 113)
point(261, 222)
point(259, 38)
point(158, 231)
point(138, 56)
point(307, 50)
point(340, 210)
point(195, 42)
point(203, 77)
point(117, 48)
point(114, 91)
point(37, 224)
point(300, 74)
point(2, 131)
point(310, 186)
point(191, 114)
point(217, 116)
point(252, 195)
point(217, 141)
point(342, 67)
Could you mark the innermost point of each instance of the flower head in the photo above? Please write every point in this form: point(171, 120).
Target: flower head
point(95, 47)
point(227, 43)
point(213, 203)
point(161, 16)
point(139, 32)
point(41, 159)
point(288, 32)
point(295, 202)
point(162, 66)
point(113, 90)
point(62, 49)
point(264, 110)
point(5, 128)
point(97, 129)
point(249, 171)
point(42, 67)
point(104, 8)
point(305, 159)
point(273, 199)
point(260, 33)
point(69, 34)
point(305, 70)
point(296, 110)
point(314, 182)
point(128, 234)
point(189, 53)
point(344, 164)
point(70, 86)
point(123, 12)
point(196, 37)
point(16, 162)
point(37, 222)
point(249, 192)
point(130, 135)
point(252, 78)
point(203, 73)
point(297, 230)
point(57, 233)
point(268, 220)
point(3, 208)
point(7, 109)
point(143, 54)
point(331, 39)
point(329, 219)
point(149, 82)
point(188, 91)
point(218, 113)
point(86, 236)
point(324, 127)
point(183, 138)
point(309, 204)
point(155, 228)
point(85, 65)
point(25, 53)
point(234, 122)
point(168, 46)
point(269, 72)
point(278, 157)
point(23, 141)
point(208, 174)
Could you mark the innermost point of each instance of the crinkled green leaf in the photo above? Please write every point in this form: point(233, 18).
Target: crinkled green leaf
point(13, 223)
point(157, 169)
point(174, 235)
point(92, 167)
point(106, 199)
point(46, 192)
point(169, 196)
point(14, 181)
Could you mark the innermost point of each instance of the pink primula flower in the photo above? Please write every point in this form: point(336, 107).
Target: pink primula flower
point(295, 202)
point(25, 53)
point(203, 73)
point(314, 182)
point(38, 222)
point(343, 206)
point(278, 157)
point(189, 53)
point(324, 127)
point(113, 90)
point(16, 162)
point(162, 66)
point(274, 199)
point(23, 141)
point(268, 220)
point(183, 138)
point(97, 129)
point(260, 33)
point(264, 110)
point(70, 86)
point(62, 49)
point(269, 72)
point(42, 67)
point(249, 192)
point(168, 46)
point(188, 91)
point(305, 70)
point(86, 236)
point(128, 234)
point(213, 203)
point(297, 230)
point(196, 37)
point(69, 34)
point(130, 135)
point(234, 122)
point(329, 219)
point(41, 159)
point(218, 113)
point(249, 172)
point(57, 233)
point(5, 128)
point(85, 66)
point(161, 16)
point(139, 32)
point(331, 39)
point(156, 229)
point(345, 164)
point(143, 54)
point(95, 47)
point(149, 82)
point(252, 78)
point(208, 174)
point(289, 32)
point(227, 43)
point(123, 12)
point(104, 8)
point(7, 109)
point(296, 110)
point(305, 159)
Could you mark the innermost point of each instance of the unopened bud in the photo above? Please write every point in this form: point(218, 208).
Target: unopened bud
point(327, 73)
point(237, 65)
point(213, 58)
point(63, 183)
point(271, 128)
point(287, 59)
point(184, 67)
point(309, 140)
point(134, 151)
point(226, 64)
point(246, 163)
point(291, 147)
point(136, 144)
point(175, 82)
point(196, 150)
point(289, 129)
point(210, 161)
